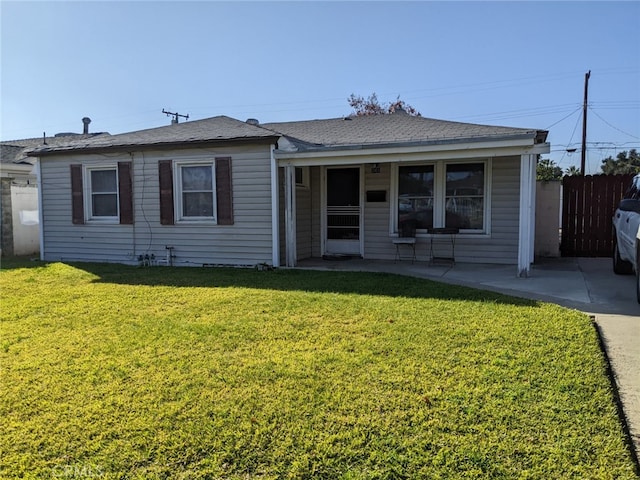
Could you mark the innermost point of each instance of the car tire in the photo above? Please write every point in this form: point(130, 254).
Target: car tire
point(620, 266)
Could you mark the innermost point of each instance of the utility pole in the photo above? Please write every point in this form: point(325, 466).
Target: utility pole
point(175, 116)
point(583, 155)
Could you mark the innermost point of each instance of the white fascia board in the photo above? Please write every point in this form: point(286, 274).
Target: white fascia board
point(413, 153)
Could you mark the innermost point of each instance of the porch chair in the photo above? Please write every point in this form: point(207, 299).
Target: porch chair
point(406, 236)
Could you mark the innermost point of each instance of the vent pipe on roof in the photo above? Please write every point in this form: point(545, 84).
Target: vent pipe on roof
point(86, 121)
point(252, 121)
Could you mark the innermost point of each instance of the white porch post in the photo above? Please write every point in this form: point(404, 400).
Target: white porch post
point(290, 214)
point(38, 170)
point(526, 231)
point(275, 211)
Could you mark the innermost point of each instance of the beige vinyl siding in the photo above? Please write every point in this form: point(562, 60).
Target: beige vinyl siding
point(501, 246)
point(303, 219)
point(315, 180)
point(64, 241)
point(246, 242)
point(377, 240)
point(307, 217)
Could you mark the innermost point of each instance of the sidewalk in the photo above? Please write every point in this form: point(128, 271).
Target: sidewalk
point(585, 284)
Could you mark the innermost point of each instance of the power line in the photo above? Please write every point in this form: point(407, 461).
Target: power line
point(564, 118)
point(613, 126)
point(566, 150)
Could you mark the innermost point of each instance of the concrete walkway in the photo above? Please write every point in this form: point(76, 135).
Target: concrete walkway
point(585, 284)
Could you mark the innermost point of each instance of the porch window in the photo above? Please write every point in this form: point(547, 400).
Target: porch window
point(443, 194)
point(464, 200)
point(415, 195)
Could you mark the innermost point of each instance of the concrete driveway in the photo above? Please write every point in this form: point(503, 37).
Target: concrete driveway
point(585, 284)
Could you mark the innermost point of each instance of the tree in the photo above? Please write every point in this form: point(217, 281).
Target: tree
point(623, 163)
point(547, 170)
point(372, 106)
point(572, 171)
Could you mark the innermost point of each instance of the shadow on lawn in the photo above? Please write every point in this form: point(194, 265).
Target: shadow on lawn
point(12, 263)
point(361, 283)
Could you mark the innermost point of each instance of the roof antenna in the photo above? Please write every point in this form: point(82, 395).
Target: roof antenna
point(176, 116)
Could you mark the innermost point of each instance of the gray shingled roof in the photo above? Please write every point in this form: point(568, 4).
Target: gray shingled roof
point(215, 129)
point(15, 151)
point(395, 128)
point(12, 154)
point(398, 128)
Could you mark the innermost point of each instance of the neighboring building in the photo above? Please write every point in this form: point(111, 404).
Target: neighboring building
point(19, 211)
point(221, 191)
point(18, 198)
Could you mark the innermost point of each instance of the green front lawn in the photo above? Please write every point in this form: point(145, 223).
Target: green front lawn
point(120, 372)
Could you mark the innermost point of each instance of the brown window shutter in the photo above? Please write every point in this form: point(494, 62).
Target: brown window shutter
point(165, 175)
point(224, 191)
point(77, 199)
point(126, 193)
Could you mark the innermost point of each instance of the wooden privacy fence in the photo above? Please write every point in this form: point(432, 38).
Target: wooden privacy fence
point(588, 204)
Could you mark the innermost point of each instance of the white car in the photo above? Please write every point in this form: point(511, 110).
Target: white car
point(638, 265)
point(626, 229)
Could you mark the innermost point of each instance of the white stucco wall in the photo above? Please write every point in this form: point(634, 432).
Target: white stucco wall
point(547, 242)
point(24, 209)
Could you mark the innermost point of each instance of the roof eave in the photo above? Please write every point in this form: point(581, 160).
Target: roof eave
point(537, 136)
point(262, 140)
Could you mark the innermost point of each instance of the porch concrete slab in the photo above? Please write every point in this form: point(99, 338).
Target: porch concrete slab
point(542, 284)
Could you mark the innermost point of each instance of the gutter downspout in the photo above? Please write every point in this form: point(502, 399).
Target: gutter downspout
point(275, 210)
point(38, 170)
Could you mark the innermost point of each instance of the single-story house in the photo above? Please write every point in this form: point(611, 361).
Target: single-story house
point(221, 191)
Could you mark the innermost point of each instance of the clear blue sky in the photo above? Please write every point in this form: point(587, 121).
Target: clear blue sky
point(518, 64)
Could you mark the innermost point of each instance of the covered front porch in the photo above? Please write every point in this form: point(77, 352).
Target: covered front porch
point(353, 207)
point(350, 186)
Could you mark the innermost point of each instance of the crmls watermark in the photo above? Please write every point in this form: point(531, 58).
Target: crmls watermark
point(76, 471)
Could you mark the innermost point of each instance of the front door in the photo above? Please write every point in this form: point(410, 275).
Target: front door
point(343, 211)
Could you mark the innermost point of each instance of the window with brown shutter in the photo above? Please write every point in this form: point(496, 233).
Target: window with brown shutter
point(196, 191)
point(109, 194)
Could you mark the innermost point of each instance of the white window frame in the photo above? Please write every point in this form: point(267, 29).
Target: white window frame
point(177, 189)
point(439, 195)
point(88, 195)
